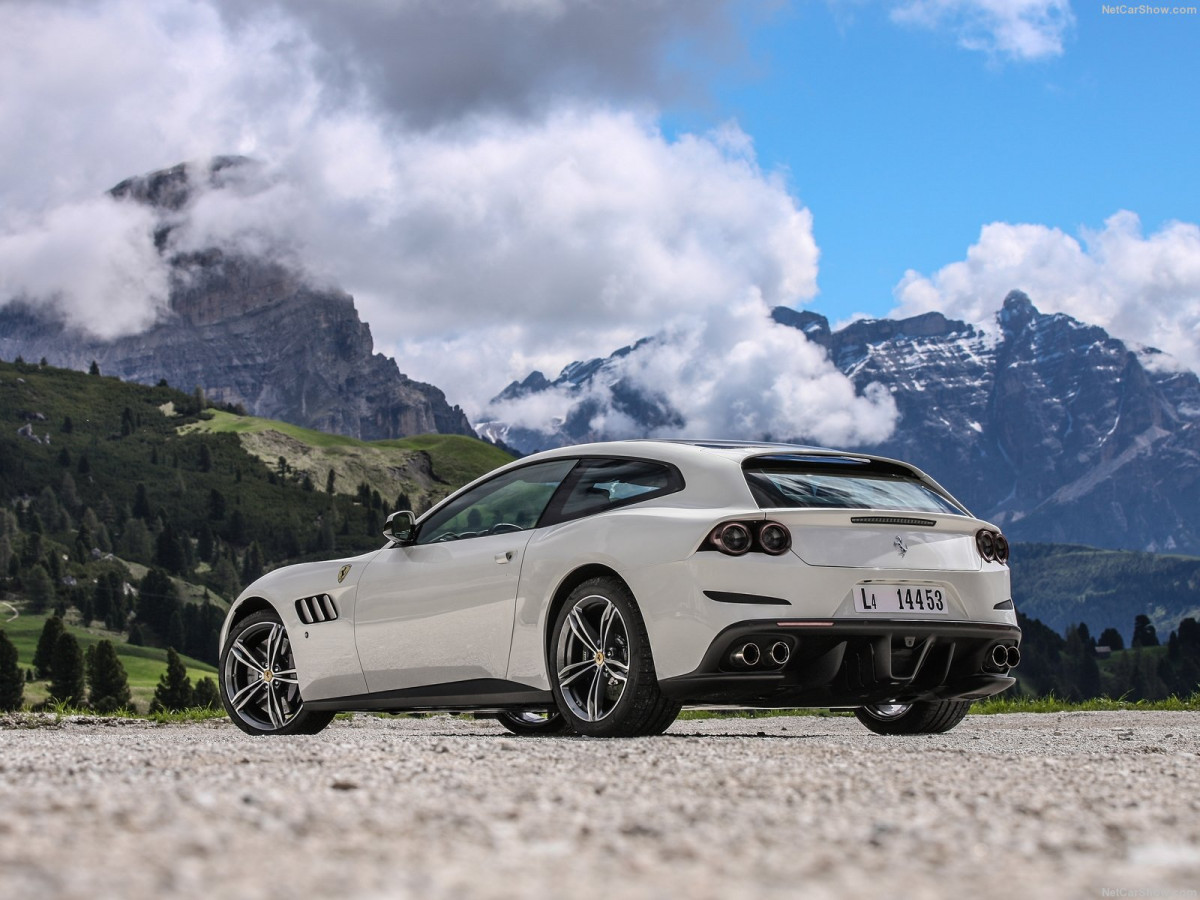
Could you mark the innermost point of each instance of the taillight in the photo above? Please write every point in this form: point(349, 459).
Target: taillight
point(1001, 548)
point(736, 538)
point(774, 538)
point(732, 538)
point(993, 546)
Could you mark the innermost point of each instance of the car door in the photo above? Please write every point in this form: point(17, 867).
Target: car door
point(440, 610)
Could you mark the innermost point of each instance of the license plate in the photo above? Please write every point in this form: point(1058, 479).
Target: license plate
point(901, 598)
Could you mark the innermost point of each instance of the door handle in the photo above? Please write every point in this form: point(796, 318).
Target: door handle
point(502, 558)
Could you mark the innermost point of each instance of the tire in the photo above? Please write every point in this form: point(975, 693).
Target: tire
point(264, 705)
point(535, 723)
point(601, 667)
point(920, 717)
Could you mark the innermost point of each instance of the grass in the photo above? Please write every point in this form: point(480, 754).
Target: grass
point(456, 459)
point(387, 466)
point(221, 422)
point(995, 705)
point(143, 665)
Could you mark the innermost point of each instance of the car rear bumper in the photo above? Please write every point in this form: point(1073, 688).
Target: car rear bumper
point(847, 662)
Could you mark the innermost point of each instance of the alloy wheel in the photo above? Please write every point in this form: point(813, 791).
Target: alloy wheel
point(260, 677)
point(592, 657)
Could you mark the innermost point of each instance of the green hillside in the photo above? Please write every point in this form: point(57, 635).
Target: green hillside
point(423, 468)
point(143, 665)
point(130, 507)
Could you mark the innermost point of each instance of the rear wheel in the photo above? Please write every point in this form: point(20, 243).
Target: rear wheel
point(535, 723)
point(260, 688)
point(602, 671)
point(918, 717)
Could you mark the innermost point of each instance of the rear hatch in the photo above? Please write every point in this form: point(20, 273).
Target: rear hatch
point(861, 512)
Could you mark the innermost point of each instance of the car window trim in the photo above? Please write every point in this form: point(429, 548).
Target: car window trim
point(425, 519)
point(553, 513)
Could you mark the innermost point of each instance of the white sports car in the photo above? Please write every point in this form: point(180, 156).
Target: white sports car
point(597, 589)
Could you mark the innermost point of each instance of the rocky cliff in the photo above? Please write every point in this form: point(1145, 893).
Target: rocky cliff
point(248, 331)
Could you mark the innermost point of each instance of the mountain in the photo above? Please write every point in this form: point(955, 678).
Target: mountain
point(1046, 425)
point(249, 331)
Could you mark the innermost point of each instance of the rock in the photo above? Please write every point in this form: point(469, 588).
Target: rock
point(248, 331)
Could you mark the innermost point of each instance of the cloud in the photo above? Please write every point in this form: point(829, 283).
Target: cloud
point(1017, 29)
point(1141, 288)
point(488, 179)
point(94, 262)
point(431, 61)
point(734, 374)
point(501, 246)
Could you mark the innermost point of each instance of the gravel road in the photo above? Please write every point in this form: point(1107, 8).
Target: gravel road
point(1056, 805)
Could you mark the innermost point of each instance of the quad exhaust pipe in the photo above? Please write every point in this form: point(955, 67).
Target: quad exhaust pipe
point(750, 655)
point(780, 653)
point(747, 655)
point(1003, 657)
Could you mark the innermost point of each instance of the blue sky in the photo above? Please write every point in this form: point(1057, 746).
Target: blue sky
point(904, 143)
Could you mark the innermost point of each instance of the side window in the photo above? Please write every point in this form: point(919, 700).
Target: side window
point(513, 501)
point(600, 484)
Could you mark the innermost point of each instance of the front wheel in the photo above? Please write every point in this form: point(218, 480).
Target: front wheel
point(535, 723)
point(918, 717)
point(602, 671)
point(260, 688)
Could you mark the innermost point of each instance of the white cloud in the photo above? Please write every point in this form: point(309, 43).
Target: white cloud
point(485, 229)
point(1141, 288)
point(94, 261)
point(734, 374)
point(1018, 29)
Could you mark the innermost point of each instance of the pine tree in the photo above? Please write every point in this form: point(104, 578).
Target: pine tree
point(1144, 634)
point(141, 502)
point(168, 551)
point(67, 678)
point(108, 684)
point(12, 679)
point(175, 630)
point(206, 696)
point(43, 656)
point(135, 636)
point(40, 589)
point(157, 600)
point(94, 369)
point(205, 543)
point(1111, 638)
point(329, 481)
point(252, 565)
point(174, 691)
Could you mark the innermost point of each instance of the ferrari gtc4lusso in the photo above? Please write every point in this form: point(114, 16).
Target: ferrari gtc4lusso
point(598, 589)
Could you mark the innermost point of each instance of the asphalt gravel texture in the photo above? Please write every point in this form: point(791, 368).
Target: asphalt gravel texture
point(1013, 806)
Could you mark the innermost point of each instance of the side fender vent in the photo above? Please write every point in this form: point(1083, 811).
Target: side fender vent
point(320, 608)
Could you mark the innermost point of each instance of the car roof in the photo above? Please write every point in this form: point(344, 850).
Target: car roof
point(693, 450)
point(696, 457)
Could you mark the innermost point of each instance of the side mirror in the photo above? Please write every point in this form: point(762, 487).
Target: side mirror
point(400, 527)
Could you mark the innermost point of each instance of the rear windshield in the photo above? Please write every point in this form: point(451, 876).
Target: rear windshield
point(852, 484)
